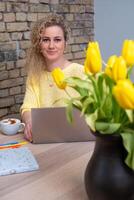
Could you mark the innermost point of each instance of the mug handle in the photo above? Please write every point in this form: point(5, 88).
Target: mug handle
point(22, 126)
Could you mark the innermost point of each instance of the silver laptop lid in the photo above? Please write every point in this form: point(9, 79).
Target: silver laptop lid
point(50, 125)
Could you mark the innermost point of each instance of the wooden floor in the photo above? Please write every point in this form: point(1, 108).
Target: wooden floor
point(60, 176)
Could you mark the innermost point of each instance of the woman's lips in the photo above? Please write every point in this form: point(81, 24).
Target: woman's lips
point(51, 52)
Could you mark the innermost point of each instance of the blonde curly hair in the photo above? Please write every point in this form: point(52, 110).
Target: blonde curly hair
point(35, 62)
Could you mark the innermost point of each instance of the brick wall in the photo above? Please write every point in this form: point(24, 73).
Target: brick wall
point(16, 19)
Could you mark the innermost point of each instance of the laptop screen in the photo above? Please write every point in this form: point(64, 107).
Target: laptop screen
point(50, 125)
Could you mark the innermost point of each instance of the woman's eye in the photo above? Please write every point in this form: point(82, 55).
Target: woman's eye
point(45, 40)
point(57, 40)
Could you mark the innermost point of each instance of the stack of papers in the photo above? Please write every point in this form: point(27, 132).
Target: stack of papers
point(17, 160)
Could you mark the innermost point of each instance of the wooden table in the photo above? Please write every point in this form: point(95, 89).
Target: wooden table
point(60, 175)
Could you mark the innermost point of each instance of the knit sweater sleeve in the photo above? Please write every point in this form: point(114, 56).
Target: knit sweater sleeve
point(31, 98)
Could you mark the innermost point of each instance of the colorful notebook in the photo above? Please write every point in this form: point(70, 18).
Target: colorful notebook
point(17, 160)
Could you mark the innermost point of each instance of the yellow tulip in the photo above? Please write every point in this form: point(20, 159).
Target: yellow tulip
point(119, 69)
point(110, 63)
point(124, 93)
point(128, 52)
point(59, 77)
point(86, 67)
point(93, 61)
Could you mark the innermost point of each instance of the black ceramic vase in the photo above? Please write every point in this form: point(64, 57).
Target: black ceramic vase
point(107, 177)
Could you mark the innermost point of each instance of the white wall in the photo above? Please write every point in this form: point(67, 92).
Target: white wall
point(114, 22)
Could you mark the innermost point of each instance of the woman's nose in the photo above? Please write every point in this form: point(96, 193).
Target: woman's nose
point(51, 44)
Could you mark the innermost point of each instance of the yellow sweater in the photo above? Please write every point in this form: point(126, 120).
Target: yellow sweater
point(45, 92)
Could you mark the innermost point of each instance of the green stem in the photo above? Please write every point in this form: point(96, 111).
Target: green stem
point(68, 94)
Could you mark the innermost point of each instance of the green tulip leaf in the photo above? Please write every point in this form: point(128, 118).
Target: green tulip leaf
point(86, 104)
point(90, 120)
point(107, 106)
point(75, 81)
point(128, 141)
point(69, 110)
point(100, 85)
point(107, 128)
point(130, 115)
point(83, 92)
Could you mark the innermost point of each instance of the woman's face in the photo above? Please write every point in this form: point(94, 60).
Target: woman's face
point(52, 43)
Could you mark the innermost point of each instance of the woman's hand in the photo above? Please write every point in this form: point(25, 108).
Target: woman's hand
point(26, 118)
point(28, 131)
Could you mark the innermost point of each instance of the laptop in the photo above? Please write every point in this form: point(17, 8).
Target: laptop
point(50, 125)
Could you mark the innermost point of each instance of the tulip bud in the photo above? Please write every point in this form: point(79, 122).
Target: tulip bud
point(119, 69)
point(128, 52)
point(93, 61)
point(59, 77)
point(124, 93)
point(110, 63)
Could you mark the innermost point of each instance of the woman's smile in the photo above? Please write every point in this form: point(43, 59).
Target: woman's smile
point(52, 52)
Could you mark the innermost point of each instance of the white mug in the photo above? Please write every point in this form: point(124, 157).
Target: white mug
point(11, 126)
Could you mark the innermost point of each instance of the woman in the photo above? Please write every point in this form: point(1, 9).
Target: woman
point(49, 39)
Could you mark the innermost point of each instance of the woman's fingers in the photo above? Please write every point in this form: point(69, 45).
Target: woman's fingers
point(28, 132)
